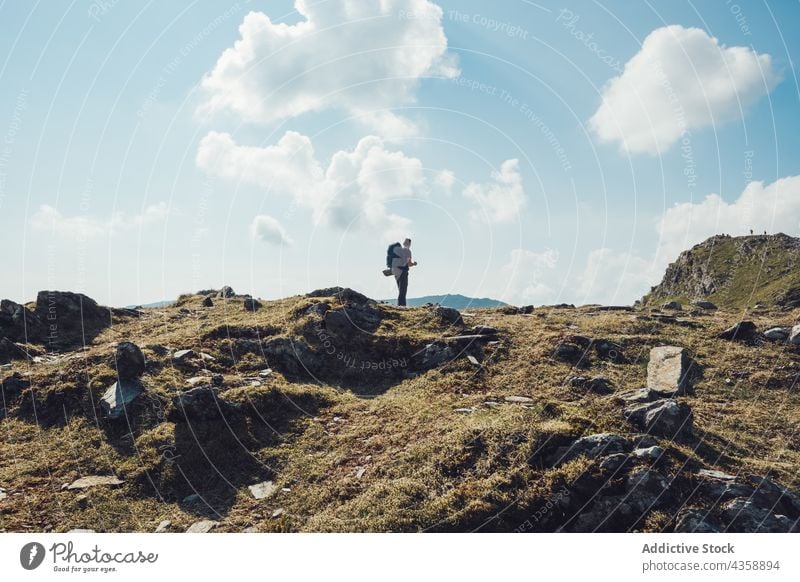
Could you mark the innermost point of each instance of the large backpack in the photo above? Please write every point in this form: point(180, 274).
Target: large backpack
point(390, 254)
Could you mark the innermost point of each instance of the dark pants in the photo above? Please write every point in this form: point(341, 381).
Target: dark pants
point(402, 286)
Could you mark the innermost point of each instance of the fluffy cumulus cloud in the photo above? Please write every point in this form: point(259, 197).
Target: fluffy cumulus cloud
point(529, 277)
point(51, 220)
point(269, 230)
point(772, 207)
point(681, 79)
point(360, 57)
point(350, 193)
point(501, 199)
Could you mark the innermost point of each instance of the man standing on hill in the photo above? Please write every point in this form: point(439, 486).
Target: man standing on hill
point(400, 265)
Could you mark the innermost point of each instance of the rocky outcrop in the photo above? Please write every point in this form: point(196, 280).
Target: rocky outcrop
point(666, 417)
point(129, 361)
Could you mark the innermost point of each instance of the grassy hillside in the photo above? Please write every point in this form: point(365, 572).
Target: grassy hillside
point(352, 446)
point(735, 272)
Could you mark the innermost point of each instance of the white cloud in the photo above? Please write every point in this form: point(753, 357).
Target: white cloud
point(611, 277)
point(356, 56)
point(444, 180)
point(528, 277)
point(681, 79)
point(269, 230)
point(774, 207)
point(501, 199)
point(352, 192)
point(52, 220)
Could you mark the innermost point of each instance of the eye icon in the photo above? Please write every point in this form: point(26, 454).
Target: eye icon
point(31, 555)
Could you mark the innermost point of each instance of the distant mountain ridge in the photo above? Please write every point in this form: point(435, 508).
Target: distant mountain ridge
point(456, 301)
point(735, 272)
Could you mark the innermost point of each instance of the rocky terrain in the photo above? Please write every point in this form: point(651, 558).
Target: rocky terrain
point(332, 412)
point(735, 272)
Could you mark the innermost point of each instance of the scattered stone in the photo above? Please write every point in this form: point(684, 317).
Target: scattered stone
point(360, 472)
point(519, 399)
point(704, 304)
point(696, 521)
point(653, 453)
point(182, 356)
point(794, 335)
point(277, 513)
point(666, 418)
point(265, 373)
point(668, 370)
point(447, 314)
point(163, 526)
point(597, 385)
point(778, 334)
point(570, 353)
point(608, 350)
point(483, 330)
point(473, 360)
point(3, 494)
point(614, 462)
point(129, 361)
point(217, 380)
point(226, 292)
point(464, 410)
point(208, 302)
point(434, 355)
point(742, 331)
point(640, 395)
point(119, 396)
point(94, 481)
point(344, 294)
point(198, 380)
point(672, 305)
point(207, 357)
point(263, 490)
point(251, 304)
point(592, 446)
point(203, 526)
point(744, 516)
point(81, 530)
point(251, 529)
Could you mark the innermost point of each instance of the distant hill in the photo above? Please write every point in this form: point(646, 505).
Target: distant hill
point(455, 301)
point(155, 304)
point(735, 272)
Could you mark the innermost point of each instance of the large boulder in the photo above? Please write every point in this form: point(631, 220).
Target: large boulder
point(702, 304)
point(570, 353)
point(667, 418)
point(672, 305)
point(70, 318)
point(778, 334)
point(129, 361)
point(668, 370)
point(251, 304)
point(742, 331)
point(18, 323)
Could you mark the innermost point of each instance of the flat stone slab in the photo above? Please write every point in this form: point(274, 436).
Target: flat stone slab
point(204, 526)
point(263, 490)
point(668, 369)
point(94, 481)
point(120, 395)
point(519, 399)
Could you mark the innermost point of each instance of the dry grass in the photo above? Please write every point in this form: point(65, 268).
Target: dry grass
point(385, 454)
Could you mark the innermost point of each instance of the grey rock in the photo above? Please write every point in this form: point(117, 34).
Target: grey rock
point(651, 454)
point(614, 462)
point(208, 302)
point(352, 319)
point(434, 355)
point(668, 370)
point(672, 305)
point(129, 361)
point(251, 304)
point(641, 395)
point(608, 350)
point(778, 334)
point(163, 526)
point(119, 396)
point(94, 481)
point(744, 516)
point(648, 482)
point(742, 331)
point(666, 418)
point(794, 335)
point(203, 526)
point(13, 385)
point(447, 314)
point(483, 330)
point(519, 399)
point(263, 490)
point(226, 292)
point(592, 446)
point(182, 357)
point(570, 353)
point(696, 521)
point(704, 304)
point(81, 530)
point(343, 294)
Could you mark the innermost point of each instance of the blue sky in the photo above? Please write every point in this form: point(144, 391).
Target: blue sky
point(529, 149)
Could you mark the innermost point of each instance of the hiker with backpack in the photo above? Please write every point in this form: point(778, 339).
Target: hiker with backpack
point(398, 262)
